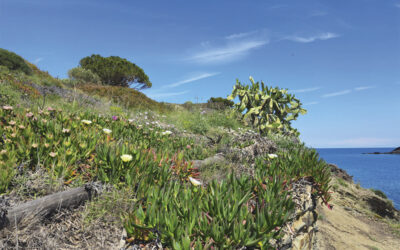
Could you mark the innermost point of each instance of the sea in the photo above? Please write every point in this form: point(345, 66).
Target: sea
point(378, 171)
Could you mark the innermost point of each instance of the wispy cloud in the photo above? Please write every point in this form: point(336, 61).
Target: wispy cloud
point(37, 60)
point(158, 95)
point(310, 103)
point(227, 53)
point(240, 35)
point(191, 79)
point(363, 88)
point(231, 48)
point(397, 5)
point(344, 92)
point(305, 90)
point(321, 36)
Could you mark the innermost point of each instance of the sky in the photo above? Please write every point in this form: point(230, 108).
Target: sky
point(340, 58)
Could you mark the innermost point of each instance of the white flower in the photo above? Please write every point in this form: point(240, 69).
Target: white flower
point(272, 156)
point(86, 122)
point(130, 120)
point(107, 131)
point(194, 181)
point(126, 158)
point(166, 132)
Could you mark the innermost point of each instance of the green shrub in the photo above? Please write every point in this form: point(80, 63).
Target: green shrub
point(13, 61)
point(82, 76)
point(379, 193)
point(219, 103)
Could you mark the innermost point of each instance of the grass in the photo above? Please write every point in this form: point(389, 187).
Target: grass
point(342, 182)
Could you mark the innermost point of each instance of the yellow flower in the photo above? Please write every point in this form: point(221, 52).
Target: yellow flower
point(2, 152)
point(107, 131)
point(35, 145)
point(194, 181)
point(126, 158)
point(21, 126)
point(87, 122)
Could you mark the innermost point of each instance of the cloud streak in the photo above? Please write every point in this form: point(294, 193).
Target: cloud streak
point(305, 90)
point(228, 53)
point(158, 95)
point(191, 79)
point(230, 48)
point(321, 37)
point(344, 92)
point(240, 35)
point(363, 88)
point(37, 60)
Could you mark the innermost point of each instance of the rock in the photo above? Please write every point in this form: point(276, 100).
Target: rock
point(335, 170)
point(394, 151)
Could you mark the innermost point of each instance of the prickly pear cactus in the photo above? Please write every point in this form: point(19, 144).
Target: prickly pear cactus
point(270, 110)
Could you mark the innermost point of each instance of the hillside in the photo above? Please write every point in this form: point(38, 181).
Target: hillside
point(132, 172)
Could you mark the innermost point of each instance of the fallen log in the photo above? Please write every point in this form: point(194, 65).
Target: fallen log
point(38, 209)
point(208, 161)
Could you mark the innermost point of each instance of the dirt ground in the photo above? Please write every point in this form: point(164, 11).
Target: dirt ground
point(351, 224)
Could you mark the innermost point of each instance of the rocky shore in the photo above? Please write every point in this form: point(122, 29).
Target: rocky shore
point(394, 151)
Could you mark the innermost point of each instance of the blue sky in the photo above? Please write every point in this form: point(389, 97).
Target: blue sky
point(340, 58)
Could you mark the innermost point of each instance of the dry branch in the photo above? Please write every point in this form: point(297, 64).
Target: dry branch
point(43, 207)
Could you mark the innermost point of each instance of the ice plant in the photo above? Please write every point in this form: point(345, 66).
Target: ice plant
point(194, 181)
point(114, 117)
point(126, 158)
point(87, 122)
point(29, 115)
point(107, 131)
point(65, 130)
point(7, 107)
point(53, 154)
point(12, 123)
point(166, 132)
point(272, 156)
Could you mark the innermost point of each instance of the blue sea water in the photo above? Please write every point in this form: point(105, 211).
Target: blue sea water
point(378, 171)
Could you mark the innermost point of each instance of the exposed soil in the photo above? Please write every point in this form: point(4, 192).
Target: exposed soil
point(351, 224)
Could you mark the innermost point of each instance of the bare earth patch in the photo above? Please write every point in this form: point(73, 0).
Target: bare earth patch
point(351, 224)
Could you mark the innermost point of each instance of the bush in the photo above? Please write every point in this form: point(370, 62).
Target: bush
point(81, 76)
point(116, 71)
point(379, 193)
point(219, 103)
point(13, 61)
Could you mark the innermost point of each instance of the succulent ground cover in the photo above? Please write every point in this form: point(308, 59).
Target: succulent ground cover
point(146, 158)
point(169, 203)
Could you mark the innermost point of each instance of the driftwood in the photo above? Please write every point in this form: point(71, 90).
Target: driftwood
point(209, 161)
point(43, 207)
